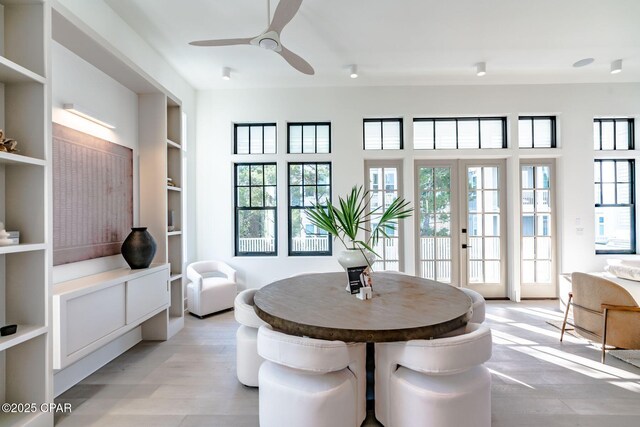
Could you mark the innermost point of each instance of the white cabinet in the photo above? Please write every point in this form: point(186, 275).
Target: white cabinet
point(146, 294)
point(92, 311)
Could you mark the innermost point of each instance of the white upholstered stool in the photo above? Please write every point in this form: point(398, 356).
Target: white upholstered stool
point(248, 360)
point(307, 382)
point(478, 305)
point(212, 287)
point(439, 382)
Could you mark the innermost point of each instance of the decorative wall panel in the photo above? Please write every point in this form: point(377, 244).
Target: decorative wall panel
point(92, 196)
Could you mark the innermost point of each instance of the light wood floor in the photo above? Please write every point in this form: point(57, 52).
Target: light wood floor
point(190, 379)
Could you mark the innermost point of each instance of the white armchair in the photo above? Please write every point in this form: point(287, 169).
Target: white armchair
point(212, 287)
point(436, 383)
point(310, 382)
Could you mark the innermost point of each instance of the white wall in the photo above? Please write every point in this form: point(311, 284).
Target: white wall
point(76, 81)
point(574, 105)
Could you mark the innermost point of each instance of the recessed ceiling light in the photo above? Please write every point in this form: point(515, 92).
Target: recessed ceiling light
point(616, 66)
point(353, 71)
point(583, 62)
point(481, 69)
point(226, 73)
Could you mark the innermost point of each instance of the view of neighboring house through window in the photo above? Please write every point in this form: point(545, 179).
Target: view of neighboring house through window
point(255, 206)
point(537, 132)
point(537, 236)
point(615, 206)
point(254, 138)
point(459, 133)
point(309, 138)
point(383, 183)
point(382, 134)
point(309, 184)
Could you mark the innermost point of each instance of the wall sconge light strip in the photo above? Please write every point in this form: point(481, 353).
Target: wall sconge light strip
point(226, 73)
point(481, 69)
point(84, 113)
point(616, 66)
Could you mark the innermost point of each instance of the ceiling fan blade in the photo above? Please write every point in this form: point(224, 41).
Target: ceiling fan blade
point(296, 62)
point(284, 13)
point(221, 42)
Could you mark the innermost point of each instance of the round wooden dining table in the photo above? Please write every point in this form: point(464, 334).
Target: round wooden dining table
point(402, 308)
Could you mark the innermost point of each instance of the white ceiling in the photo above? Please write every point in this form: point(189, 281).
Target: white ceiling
point(401, 42)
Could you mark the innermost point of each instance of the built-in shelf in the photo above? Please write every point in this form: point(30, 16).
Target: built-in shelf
point(24, 333)
point(26, 247)
point(173, 144)
point(10, 72)
point(17, 159)
point(174, 233)
point(170, 188)
point(175, 277)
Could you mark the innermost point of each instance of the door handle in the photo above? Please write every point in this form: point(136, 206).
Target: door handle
point(465, 246)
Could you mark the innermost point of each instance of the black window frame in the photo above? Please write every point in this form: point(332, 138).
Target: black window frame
point(398, 120)
point(290, 208)
point(533, 119)
point(253, 125)
point(302, 125)
point(503, 121)
point(631, 204)
point(630, 136)
point(237, 208)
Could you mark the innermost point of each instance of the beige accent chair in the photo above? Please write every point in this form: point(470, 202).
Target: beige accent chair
point(603, 311)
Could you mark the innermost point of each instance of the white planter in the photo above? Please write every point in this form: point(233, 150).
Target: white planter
point(354, 258)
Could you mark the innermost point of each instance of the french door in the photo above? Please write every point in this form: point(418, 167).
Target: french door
point(461, 223)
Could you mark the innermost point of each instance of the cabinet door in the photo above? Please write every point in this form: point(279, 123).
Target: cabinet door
point(92, 316)
point(146, 294)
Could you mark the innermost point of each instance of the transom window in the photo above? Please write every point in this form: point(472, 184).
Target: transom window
point(254, 138)
point(537, 132)
point(459, 133)
point(309, 184)
point(256, 225)
point(613, 134)
point(615, 206)
point(383, 134)
point(309, 138)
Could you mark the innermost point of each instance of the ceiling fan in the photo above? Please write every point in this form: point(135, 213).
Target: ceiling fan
point(270, 38)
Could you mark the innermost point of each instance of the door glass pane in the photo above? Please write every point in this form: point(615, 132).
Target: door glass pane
point(383, 188)
point(434, 189)
point(537, 239)
point(483, 226)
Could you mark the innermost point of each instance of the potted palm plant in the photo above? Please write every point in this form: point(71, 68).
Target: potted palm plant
point(351, 217)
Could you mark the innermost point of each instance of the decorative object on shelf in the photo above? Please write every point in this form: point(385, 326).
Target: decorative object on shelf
point(351, 217)
point(7, 145)
point(170, 216)
point(6, 238)
point(138, 248)
point(170, 182)
point(8, 330)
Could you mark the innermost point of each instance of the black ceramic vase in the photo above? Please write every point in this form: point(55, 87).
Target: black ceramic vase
point(138, 248)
